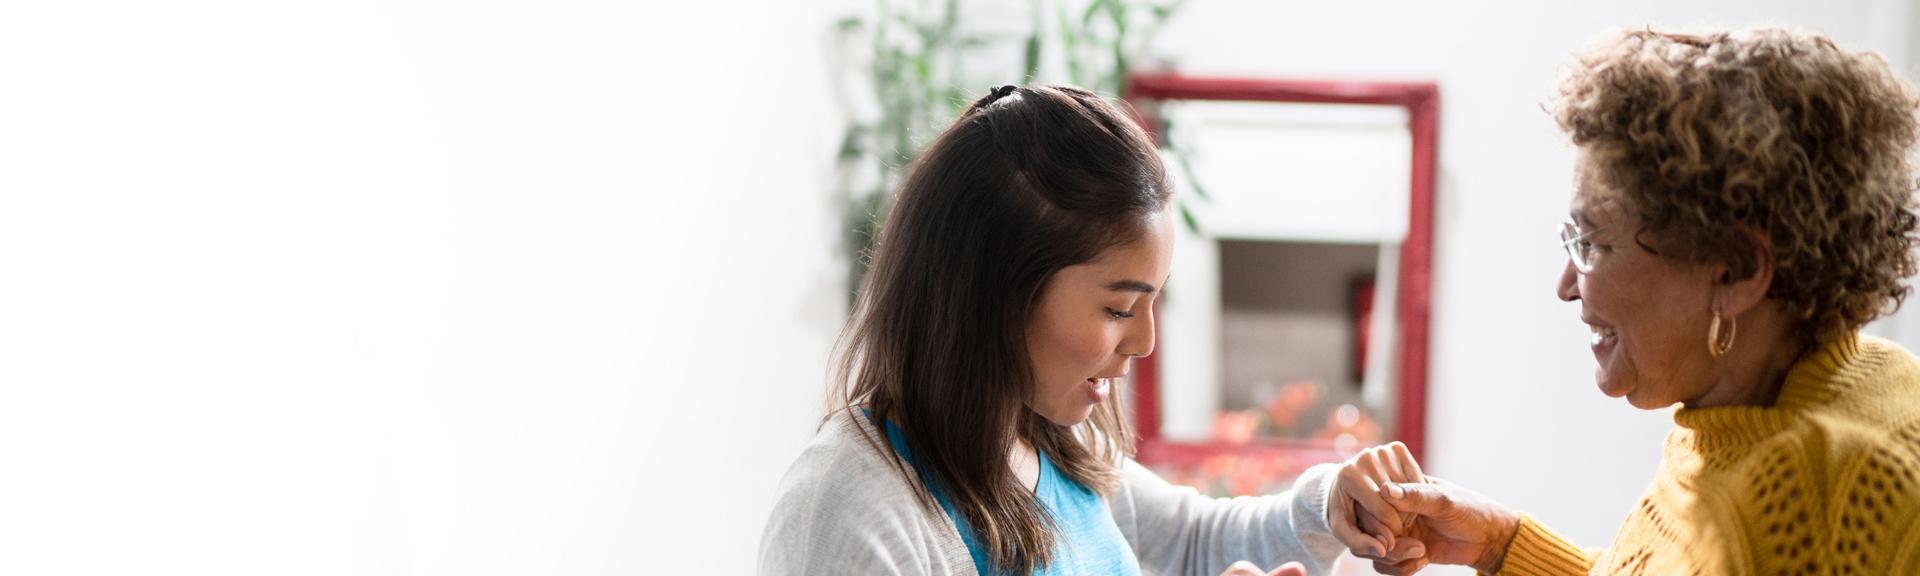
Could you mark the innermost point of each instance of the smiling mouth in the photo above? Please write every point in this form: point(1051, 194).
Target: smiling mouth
point(1101, 388)
point(1602, 333)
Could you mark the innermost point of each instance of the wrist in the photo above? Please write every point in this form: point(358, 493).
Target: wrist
point(1495, 555)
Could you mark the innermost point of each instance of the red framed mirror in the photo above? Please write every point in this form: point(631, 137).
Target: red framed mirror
point(1310, 201)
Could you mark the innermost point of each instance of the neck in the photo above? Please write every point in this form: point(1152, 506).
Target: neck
point(1752, 373)
point(1025, 462)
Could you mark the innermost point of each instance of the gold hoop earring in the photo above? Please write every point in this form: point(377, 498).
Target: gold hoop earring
point(1715, 347)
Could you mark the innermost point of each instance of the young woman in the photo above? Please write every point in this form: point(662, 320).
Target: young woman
point(975, 429)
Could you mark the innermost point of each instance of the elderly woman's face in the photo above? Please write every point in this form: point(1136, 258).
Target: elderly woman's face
point(1648, 313)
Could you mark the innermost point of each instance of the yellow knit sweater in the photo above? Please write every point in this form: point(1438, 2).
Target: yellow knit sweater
point(1826, 481)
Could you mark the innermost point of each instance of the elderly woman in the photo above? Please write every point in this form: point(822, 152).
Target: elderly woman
point(1743, 207)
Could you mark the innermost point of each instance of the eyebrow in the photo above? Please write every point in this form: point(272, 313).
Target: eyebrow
point(1131, 286)
point(1580, 216)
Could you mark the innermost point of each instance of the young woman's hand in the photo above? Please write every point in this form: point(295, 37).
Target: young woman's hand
point(1455, 525)
point(1245, 568)
point(1360, 518)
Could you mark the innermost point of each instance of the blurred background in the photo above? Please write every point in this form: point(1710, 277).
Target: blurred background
point(473, 288)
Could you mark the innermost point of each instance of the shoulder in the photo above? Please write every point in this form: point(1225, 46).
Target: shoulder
point(844, 506)
point(848, 467)
point(1879, 382)
point(1872, 429)
point(1830, 490)
point(1874, 425)
point(1833, 451)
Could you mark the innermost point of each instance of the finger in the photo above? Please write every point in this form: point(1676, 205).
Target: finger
point(1404, 465)
point(1405, 549)
point(1359, 542)
point(1400, 568)
point(1371, 501)
point(1350, 483)
point(1388, 463)
point(1412, 467)
point(1373, 526)
point(1243, 568)
point(1289, 569)
point(1422, 499)
point(1405, 469)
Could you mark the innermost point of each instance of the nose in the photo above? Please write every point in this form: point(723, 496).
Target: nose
point(1140, 335)
point(1569, 288)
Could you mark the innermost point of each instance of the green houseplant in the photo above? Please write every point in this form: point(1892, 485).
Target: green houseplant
point(917, 65)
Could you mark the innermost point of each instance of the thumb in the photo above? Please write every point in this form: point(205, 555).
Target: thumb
point(1418, 498)
point(1289, 569)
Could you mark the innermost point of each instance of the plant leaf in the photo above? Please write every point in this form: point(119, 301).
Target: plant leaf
point(1093, 9)
point(1070, 42)
point(1118, 10)
point(1030, 60)
point(851, 146)
point(1186, 215)
point(977, 41)
point(1193, 178)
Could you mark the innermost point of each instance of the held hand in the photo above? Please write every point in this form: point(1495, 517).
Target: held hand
point(1408, 554)
point(1245, 568)
point(1456, 526)
point(1359, 517)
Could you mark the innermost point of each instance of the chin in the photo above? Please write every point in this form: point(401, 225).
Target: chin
point(1647, 402)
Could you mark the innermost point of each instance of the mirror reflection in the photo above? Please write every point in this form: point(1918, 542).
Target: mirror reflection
point(1279, 332)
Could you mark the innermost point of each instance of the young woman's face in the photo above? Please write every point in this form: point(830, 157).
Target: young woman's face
point(1092, 320)
point(1649, 314)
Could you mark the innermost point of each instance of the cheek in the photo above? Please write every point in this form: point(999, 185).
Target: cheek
point(1094, 346)
point(1597, 293)
point(1619, 301)
point(1672, 339)
point(1064, 349)
point(1656, 325)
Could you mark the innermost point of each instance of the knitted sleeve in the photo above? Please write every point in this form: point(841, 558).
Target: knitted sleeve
point(1175, 530)
point(1538, 550)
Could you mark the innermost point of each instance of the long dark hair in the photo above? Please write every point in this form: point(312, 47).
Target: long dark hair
point(1027, 182)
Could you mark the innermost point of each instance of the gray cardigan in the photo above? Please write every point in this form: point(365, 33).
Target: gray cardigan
point(844, 509)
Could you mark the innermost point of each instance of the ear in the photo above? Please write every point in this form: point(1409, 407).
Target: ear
point(1735, 293)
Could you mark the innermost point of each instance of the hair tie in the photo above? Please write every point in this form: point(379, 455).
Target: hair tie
point(992, 96)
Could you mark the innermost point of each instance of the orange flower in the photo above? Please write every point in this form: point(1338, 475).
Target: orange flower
point(1286, 405)
point(1234, 426)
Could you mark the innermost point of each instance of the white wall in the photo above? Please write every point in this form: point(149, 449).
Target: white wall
point(1513, 410)
point(435, 287)
point(418, 287)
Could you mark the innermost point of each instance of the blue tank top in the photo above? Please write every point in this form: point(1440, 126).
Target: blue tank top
point(1086, 541)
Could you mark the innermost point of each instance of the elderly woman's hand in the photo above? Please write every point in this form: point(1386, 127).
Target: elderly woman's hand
point(1455, 526)
point(1360, 518)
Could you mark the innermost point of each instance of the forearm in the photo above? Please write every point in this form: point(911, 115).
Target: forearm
point(1178, 531)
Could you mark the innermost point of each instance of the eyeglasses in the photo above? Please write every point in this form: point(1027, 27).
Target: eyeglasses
point(1579, 249)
